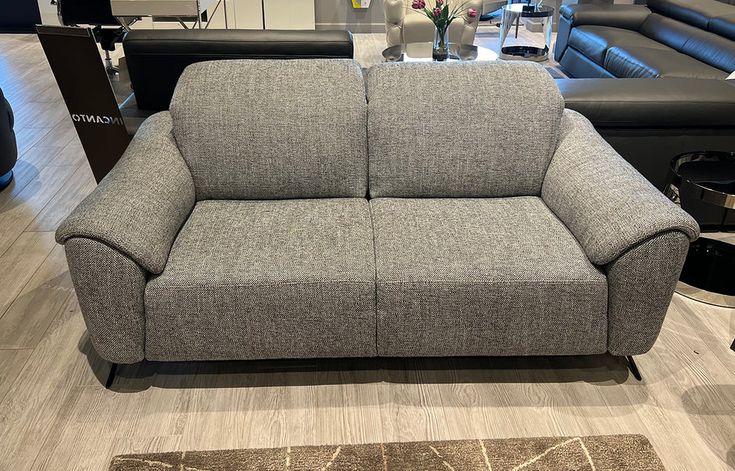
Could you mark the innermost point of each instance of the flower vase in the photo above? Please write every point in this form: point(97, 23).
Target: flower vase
point(440, 51)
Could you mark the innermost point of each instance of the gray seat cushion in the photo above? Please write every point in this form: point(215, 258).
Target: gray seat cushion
point(644, 62)
point(594, 41)
point(483, 277)
point(266, 279)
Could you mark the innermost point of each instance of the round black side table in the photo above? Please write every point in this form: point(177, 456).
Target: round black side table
point(709, 271)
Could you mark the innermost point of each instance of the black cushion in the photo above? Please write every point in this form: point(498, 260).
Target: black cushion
point(594, 41)
point(652, 103)
point(710, 48)
point(156, 58)
point(724, 26)
point(87, 12)
point(618, 16)
point(694, 12)
point(644, 62)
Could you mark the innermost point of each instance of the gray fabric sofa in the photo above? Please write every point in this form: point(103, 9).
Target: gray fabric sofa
point(296, 212)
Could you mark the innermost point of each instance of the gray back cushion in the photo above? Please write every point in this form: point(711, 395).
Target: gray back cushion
point(273, 129)
point(460, 129)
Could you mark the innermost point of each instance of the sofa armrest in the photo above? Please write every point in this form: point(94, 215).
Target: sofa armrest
point(652, 103)
point(470, 24)
point(395, 11)
point(139, 207)
point(110, 289)
point(607, 205)
point(617, 16)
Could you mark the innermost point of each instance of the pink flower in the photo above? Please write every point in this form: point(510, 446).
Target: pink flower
point(418, 4)
point(472, 13)
point(437, 12)
point(439, 3)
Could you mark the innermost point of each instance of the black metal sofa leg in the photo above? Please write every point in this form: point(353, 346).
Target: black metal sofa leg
point(111, 376)
point(634, 368)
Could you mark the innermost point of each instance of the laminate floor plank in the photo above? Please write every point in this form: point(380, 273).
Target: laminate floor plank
point(34, 308)
point(11, 364)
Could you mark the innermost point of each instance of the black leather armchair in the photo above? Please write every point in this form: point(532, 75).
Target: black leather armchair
point(8, 147)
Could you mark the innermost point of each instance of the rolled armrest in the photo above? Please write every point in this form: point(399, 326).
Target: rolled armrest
point(617, 16)
point(395, 11)
point(470, 24)
point(139, 207)
point(607, 205)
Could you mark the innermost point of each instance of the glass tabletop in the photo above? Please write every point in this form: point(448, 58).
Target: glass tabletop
point(422, 52)
point(712, 173)
point(531, 10)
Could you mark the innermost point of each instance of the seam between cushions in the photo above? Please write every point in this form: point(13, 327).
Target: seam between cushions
point(375, 266)
point(491, 282)
point(257, 284)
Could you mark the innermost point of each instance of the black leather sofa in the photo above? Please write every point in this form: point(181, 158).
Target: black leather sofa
point(8, 147)
point(666, 38)
point(156, 58)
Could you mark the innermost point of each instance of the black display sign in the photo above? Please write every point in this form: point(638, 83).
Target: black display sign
point(81, 76)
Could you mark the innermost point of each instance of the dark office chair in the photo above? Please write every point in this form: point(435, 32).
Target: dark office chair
point(106, 28)
point(8, 147)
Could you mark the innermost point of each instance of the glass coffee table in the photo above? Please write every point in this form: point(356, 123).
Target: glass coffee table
point(422, 52)
point(709, 269)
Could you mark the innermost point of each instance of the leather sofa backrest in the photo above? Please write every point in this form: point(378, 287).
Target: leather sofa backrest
point(697, 13)
point(724, 26)
point(445, 130)
point(273, 129)
point(156, 58)
point(710, 48)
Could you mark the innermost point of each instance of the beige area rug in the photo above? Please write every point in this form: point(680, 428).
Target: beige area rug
point(597, 453)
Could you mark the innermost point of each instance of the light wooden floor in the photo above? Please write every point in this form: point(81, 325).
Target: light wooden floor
point(55, 414)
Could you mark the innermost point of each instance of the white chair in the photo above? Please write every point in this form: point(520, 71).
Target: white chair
point(405, 25)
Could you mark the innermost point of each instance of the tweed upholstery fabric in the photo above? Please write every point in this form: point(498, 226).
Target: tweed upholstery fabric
point(266, 279)
point(602, 199)
point(110, 290)
point(412, 119)
point(641, 284)
point(499, 276)
point(273, 129)
point(141, 204)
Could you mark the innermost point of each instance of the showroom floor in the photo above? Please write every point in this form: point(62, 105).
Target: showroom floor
point(55, 414)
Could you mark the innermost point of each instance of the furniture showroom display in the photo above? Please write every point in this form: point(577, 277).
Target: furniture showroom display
point(293, 211)
point(709, 269)
point(512, 14)
point(668, 38)
point(405, 25)
point(8, 146)
point(422, 52)
point(156, 58)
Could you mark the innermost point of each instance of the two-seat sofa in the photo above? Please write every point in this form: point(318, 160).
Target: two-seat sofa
point(290, 212)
